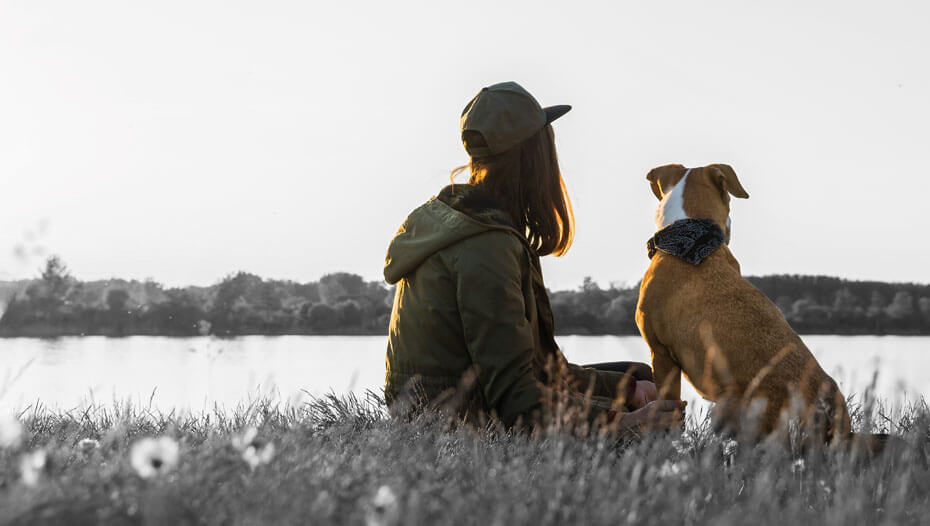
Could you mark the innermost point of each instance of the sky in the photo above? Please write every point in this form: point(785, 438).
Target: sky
point(183, 141)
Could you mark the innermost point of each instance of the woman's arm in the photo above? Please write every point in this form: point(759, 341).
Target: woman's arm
point(488, 276)
point(608, 384)
point(499, 337)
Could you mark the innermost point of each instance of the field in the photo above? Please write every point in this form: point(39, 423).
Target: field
point(343, 461)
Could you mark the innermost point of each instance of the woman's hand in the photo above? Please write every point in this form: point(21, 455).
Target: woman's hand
point(645, 393)
point(658, 415)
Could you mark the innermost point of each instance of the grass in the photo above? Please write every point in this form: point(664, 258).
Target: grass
point(343, 461)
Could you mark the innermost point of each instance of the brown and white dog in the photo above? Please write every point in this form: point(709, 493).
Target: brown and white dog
point(729, 339)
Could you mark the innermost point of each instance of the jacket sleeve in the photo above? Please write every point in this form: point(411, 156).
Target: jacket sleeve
point(497, 332)
point(606, 384)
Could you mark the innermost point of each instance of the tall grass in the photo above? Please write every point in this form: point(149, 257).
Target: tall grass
point(344, 461)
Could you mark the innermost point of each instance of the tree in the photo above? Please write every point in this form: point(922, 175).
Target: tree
point(902, 306)
point(588, 284)
point(117, 299)
point(322, 317)
point(877, 304)
point(592, 299)
point(340, 286)
point(924, 305)
point(844, 300)
point(55, 277)
point(47, 295)
point(785, 304)
point(807, 313)
point(229, 301)
point(350, 315)
point(617, 315)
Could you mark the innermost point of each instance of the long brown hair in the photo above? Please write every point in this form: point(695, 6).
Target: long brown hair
point(528, 184)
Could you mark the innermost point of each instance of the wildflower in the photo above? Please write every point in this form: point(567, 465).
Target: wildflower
point(672, 469)
point(151, 457)
point(31, 466)
point(11, 431)
point(255, 457)
point(255, 452)
point(798, 466)
point(86, 445)
point(384, 508)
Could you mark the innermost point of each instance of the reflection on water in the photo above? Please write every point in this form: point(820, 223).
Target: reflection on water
point(197, 373)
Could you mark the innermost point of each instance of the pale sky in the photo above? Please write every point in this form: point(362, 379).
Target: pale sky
point(185, 140)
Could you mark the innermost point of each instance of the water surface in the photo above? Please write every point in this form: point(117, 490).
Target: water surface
point(196, 373)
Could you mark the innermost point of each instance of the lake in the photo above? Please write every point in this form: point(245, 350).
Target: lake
point(196, 373)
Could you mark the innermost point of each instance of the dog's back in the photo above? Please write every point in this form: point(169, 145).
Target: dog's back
point(732, 343)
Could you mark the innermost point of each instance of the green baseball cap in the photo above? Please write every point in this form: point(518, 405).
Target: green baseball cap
point(505, 114)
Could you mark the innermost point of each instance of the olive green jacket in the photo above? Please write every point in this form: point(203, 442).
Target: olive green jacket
point(471, 323)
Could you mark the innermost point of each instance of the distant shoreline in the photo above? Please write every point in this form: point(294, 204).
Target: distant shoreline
point(342, 304)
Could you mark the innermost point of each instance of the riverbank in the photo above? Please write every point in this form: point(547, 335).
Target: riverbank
point(242, 304)
point(343, 461)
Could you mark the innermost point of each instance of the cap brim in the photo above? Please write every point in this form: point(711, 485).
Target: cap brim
point(554, 112)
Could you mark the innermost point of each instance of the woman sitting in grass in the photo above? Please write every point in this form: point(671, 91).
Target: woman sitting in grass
point(472, 328)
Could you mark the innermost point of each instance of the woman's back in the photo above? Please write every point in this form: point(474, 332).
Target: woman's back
point(464, 282)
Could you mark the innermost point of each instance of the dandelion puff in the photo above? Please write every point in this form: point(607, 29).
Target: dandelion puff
point(255, 452)
point(245, 438)
point(31, 466)
point(151, 457)
point(673, 469)
point(384, 509)
point(798, 466)
point(87, 445)
point(255, 457)
point(11, 431)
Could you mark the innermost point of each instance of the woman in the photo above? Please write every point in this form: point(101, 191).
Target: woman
point(471, 326)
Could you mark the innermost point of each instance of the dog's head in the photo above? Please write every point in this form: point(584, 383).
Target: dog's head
point(696, 192)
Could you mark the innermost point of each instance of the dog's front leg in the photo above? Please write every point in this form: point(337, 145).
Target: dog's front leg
point(666, 371)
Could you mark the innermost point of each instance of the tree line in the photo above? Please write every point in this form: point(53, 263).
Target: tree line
point(811, 304)
point(58, 304)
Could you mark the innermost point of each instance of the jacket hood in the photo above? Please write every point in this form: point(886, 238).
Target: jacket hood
point(460, 211)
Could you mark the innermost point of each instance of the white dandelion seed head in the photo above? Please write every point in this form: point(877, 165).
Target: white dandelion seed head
point(255, 452)
point(257, 456)
point(384, 509)
point(797, 466)
point(86, 445)
point(672, 469)
point(151, 457)
point(11, 430)
point(384, 497)
point(245, 439)
point(31, 466)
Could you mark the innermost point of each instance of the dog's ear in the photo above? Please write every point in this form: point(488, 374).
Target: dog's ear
point(661, 177)
point(725, 178)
